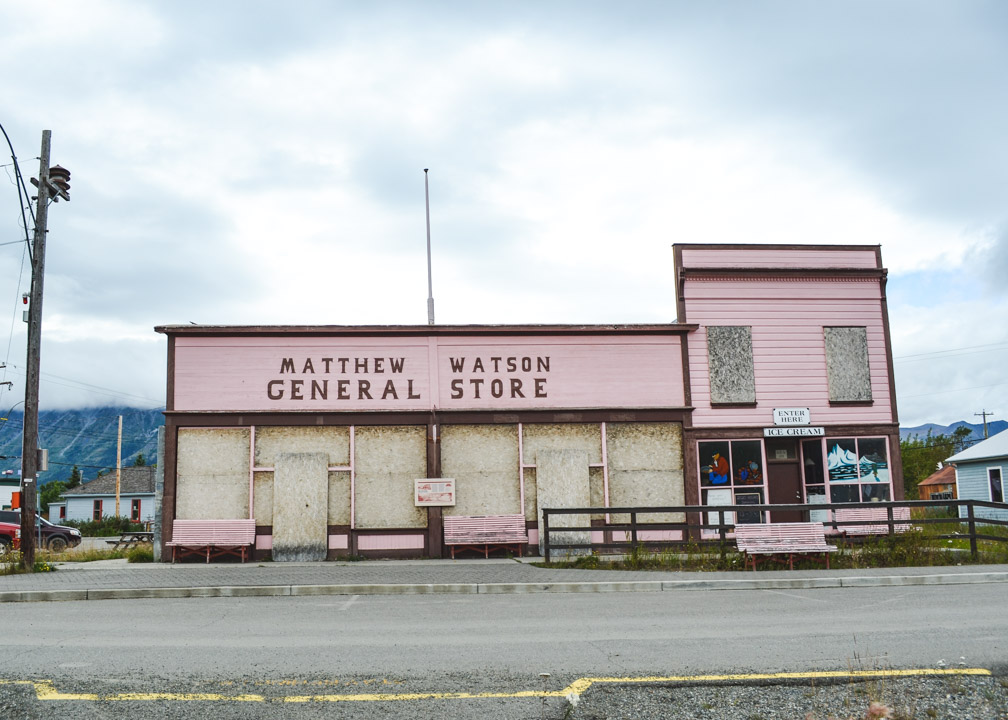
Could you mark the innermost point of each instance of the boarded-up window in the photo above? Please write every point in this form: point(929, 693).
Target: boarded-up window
point(847, 364)
point(730, 363)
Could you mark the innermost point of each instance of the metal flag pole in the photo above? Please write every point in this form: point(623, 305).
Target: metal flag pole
point(430, 285)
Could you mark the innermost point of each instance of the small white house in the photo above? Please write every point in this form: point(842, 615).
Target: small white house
point(980, 474)
point(8, 486)
point(95, 499)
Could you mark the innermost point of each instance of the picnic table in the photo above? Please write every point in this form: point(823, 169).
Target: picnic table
point(131, 539)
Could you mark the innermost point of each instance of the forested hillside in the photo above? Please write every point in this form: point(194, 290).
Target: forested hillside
point(85, 438)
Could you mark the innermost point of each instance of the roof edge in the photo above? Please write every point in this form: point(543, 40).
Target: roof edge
point(430, 330)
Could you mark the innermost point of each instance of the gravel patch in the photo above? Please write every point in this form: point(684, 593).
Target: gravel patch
point(953, 697)
point(928, 698)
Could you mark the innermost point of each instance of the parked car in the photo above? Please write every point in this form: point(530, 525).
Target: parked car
point(54, 537)
point(10, 537)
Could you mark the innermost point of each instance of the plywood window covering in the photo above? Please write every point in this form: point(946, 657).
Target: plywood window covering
point(523, 466)
point(730, 365)
point(253, 469)
point(847, 370)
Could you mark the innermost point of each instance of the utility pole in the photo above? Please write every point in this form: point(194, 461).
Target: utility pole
point(984, 414)
point(118, 464)
point(52, 183)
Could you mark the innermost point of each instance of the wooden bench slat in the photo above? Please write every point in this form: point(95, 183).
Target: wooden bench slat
point(788, 539)
point(479, 532)
point(871, 521)
point(212, 538)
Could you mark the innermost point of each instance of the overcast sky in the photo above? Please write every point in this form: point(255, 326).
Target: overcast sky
point(262, 163)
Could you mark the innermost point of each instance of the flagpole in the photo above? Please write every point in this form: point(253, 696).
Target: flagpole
point(430, 285)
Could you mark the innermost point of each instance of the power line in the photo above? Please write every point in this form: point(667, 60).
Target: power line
point(88, 386)
point(940, 392)
point(952, 352)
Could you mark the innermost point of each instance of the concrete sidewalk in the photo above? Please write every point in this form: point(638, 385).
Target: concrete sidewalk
point(117, 579)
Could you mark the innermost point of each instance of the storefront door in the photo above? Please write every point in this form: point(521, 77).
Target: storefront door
point(785, 489)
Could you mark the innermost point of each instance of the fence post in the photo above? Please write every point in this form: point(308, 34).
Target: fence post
point(633, 529)
point(972, 529)
point(892, 527)
point(546, 538)
point(722, 534)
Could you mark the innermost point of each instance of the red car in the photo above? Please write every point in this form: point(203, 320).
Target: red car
point(10, 537)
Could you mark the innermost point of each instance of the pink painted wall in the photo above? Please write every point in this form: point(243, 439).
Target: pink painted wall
point(792, 257)
point(390, 542)
point(787, 317)
point(251, 373)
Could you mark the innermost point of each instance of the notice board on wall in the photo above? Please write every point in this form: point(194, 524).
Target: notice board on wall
point(434, 492)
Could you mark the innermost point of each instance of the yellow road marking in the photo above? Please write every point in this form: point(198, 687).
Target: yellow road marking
point(45, 690)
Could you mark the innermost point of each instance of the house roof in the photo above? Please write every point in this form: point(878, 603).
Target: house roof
point(992, 447)
point(132, 481)
point(945, 476)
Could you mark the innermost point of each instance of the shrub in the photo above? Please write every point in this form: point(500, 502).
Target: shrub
point(141, 553)
point(108, 525)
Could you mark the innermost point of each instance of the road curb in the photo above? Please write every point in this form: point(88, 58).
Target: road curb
point(570, 587)
point(383, 589)
point(938, 579)
point(755, 583)
point(42, 595)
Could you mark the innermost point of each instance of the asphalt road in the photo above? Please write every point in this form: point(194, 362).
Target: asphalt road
point(422, 651)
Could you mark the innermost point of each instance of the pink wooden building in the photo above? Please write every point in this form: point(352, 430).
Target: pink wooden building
point(775, 385)
point(790, 375)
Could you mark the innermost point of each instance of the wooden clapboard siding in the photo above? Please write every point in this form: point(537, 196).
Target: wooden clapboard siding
point(780, 257)
point(787, 317)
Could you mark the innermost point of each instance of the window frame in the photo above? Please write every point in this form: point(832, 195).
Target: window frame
point(135, 508)
point(733, 486)
point(828, 484)
point(990, 486)
point(96, 510)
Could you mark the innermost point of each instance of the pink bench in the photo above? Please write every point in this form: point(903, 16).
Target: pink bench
point(212, 538)
point(781, 540)
point(870, 521)
point(481, 532)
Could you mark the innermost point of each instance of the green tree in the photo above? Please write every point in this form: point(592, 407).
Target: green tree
point(75, 478)
point(50, 492)
point(139, 462)
point(922, 455)
point(961, 437)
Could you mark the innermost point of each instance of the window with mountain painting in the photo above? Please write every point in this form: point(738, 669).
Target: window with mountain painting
point(857, 469)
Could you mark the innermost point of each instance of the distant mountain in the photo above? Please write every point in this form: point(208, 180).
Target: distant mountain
point(85, 438)
point(993, 428)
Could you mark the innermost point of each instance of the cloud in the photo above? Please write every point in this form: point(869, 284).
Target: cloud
point(989, 259)
point(252, 163)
